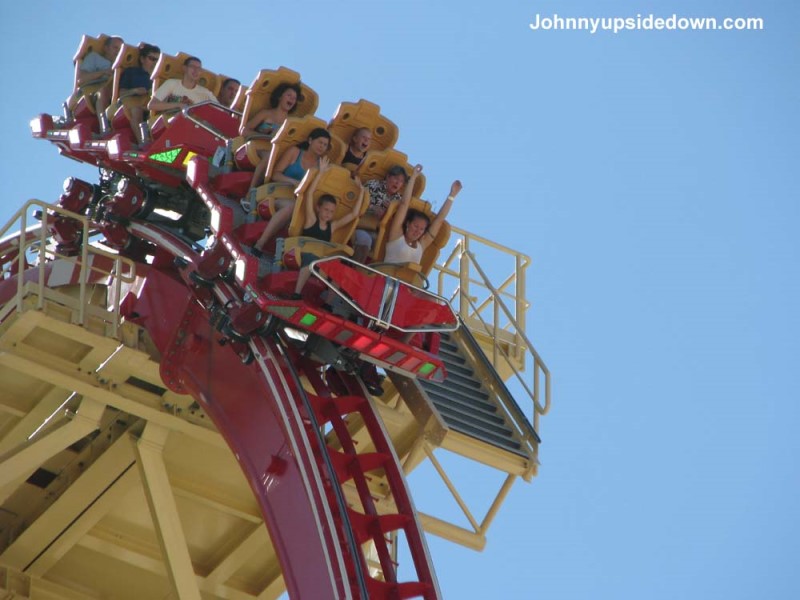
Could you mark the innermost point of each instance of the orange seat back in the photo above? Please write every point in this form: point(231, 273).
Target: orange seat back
point(171, 67)
point(295, 130)
point(351, 116)
point(377, 163)
point(431, 253)
point(257, 96)
point(87, 45)
point(239, 93)
point(241, 98)
point(337, 182)
point(128, 57)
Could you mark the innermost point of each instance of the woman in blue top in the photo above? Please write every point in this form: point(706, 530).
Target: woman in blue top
point(291, 168)
point(266, 122)
point(293, 164)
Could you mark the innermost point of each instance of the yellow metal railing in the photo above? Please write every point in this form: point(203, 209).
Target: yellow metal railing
point(34, 242)
point(484, 307)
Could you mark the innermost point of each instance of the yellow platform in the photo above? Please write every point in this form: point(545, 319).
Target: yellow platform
point(111, 486)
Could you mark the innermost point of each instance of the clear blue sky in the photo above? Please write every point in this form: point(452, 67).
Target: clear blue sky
point(649, 176)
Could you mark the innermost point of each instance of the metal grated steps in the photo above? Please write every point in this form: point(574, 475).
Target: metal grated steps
point(466, 403)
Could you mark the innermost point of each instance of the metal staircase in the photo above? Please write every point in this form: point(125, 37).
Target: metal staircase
point(467, 404)
point(473, 400)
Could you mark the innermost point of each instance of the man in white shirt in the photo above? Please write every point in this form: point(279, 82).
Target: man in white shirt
point(177, 94)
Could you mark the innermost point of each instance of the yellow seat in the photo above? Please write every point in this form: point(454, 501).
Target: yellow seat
point(241, 96)
point(378, 162)
point(257, 97)
point(430, 255)
point(294, 131)
point(337, 182)
point(171, 67)
point(128, 57)
point(376, 165)
point(337, 149)
point(88, 44)
point(408, 272)
point(218, 88)
point(351, 116)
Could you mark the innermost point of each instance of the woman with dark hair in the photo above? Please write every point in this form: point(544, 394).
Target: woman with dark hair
point(266, 122)
point(135, 81)
point(382, 192)
point(291, 168)
point(411, 231)
point(282, 102)
point(293, 164)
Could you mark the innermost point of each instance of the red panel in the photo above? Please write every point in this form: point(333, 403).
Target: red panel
point(413, 309)
point(232, 185)
point(217, 117)
point(248, 405)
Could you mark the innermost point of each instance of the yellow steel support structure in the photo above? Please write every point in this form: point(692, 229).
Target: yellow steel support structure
point(149, 453)
point(113, 486)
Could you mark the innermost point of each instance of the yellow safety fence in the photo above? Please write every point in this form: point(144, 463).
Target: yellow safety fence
point(495, 312)
point(27, 236)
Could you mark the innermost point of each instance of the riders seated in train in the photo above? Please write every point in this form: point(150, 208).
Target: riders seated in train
point(176, 94)
point(240, 100)
point(227, 92)
point(262, 201)
point(94, 71)
point(96, 67)
point(266, 105)
point(266, 122)
point(352, 117)
point(283, 101)
point(357, 149)
point(324, 217)
point(410, 238)
point(290, 168)
point(382, 192)
point(411, 231)
point(135, 86)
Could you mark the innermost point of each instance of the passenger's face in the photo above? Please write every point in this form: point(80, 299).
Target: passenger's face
point(287, 100)
point(394, 183)
point(228, 93)
point(361, 140)
point(192, 70)
point(326, 212)
point(113, 49)
point(149, 62)
point(415, 229)
point(319, 146)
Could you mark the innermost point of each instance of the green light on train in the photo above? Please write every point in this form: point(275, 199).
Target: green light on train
point(168, 156)
point(308, 320)
point(427, 368)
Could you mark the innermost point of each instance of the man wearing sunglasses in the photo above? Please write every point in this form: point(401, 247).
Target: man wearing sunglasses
point(136, 82)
